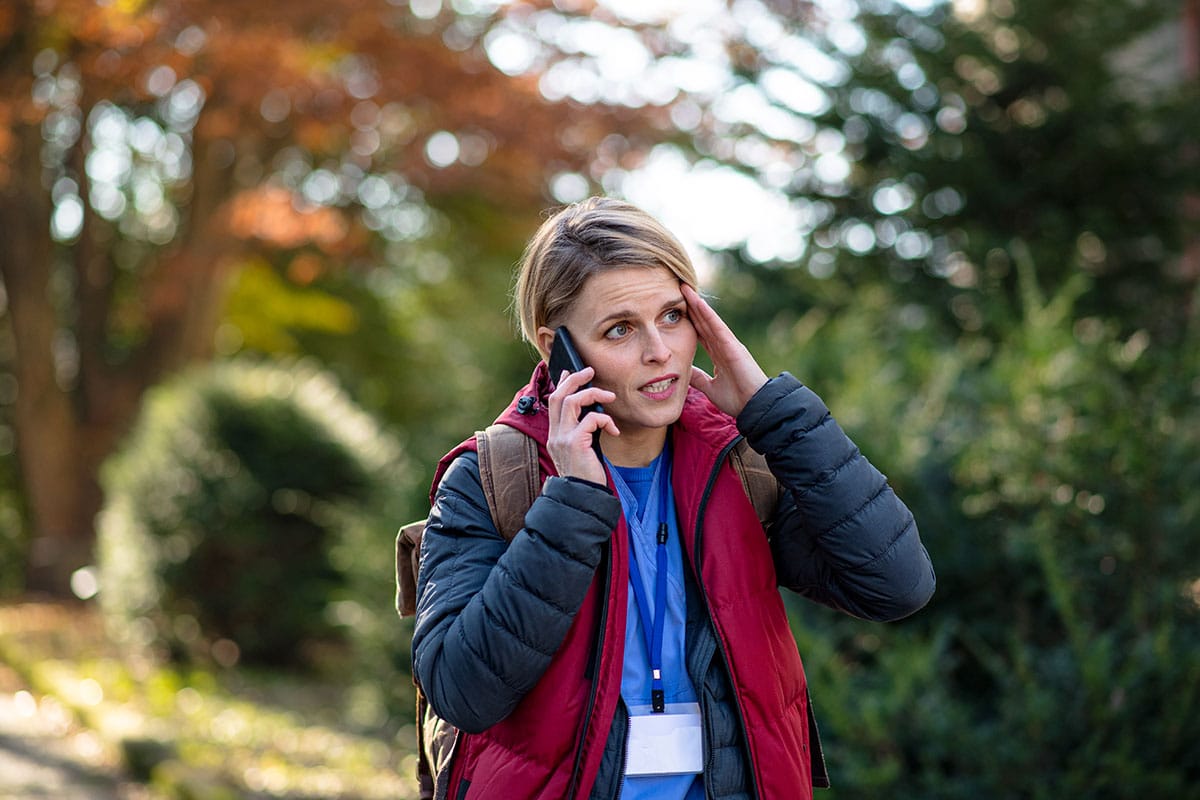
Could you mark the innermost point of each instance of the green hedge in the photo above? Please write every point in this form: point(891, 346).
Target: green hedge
point(224, 508)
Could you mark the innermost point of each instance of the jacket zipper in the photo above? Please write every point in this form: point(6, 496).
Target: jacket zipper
point(737, 701)
point(594, 665)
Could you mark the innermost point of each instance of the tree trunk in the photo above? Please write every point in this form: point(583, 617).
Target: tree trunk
point(55, 475)
point(64, 433)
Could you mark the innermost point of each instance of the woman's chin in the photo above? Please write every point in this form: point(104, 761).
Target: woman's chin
point(658, 417)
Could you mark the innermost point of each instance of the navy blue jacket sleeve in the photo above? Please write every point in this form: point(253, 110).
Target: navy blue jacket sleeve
point(491, 614)
point(841, 536)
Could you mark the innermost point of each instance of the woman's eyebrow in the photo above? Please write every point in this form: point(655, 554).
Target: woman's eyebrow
point(614, 315)
point(628, 313)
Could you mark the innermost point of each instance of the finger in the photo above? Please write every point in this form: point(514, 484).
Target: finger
point(566, 385)
point(712, 331)
point(573, 405)
point(555, 399)
point(569, 382)
point(569, 423)
point(700, 379)
point(699, 308)
point(574, 390)
point(572, 449)
point(595, 421)
point(724, 347)
point(592, 395)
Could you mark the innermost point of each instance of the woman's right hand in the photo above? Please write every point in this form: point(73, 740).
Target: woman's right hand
point(570, 439)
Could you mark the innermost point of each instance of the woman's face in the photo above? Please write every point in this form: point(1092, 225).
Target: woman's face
point(631, 325)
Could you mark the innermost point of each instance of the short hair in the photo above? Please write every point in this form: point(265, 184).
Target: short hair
point(580, 240)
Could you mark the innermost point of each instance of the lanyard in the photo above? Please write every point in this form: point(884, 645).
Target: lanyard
point(654, 639)
point(652, 626)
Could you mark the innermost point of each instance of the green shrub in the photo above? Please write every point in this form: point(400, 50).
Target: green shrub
point(224, 504)
point(1053, 476)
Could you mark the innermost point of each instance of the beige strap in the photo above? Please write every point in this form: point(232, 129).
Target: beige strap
point(508, 468)
point(760, 484)
point(408, 562)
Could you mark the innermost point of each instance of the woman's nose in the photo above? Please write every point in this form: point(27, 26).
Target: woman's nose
point(655, 348)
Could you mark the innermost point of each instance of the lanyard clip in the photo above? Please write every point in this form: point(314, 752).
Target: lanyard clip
point(658, 701)
point(662, 533)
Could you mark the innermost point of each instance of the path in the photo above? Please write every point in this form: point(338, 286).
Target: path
point(44, 755)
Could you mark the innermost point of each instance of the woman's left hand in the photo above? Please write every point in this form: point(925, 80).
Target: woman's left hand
point(736, 375)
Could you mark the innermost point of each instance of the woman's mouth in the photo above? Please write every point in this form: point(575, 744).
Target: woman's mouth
point(659, 388)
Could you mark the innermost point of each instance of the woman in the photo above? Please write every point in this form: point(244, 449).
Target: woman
point(572, 667)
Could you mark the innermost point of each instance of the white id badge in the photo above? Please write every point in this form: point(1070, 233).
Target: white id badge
point(670, 743)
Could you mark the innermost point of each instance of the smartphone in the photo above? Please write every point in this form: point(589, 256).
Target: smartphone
point(564, 356)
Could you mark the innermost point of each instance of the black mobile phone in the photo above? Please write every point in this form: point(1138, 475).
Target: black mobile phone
point(564, 356)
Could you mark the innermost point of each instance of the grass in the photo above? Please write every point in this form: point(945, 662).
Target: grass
point(206, 734)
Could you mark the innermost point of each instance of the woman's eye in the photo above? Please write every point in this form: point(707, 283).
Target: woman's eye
point(617, 331)
point(674, 316)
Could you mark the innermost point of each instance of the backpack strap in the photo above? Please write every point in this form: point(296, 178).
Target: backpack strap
point(761, 486)
point(508, 470)
point(408, 560)
point(511, 480)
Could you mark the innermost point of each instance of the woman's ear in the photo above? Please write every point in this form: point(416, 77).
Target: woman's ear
point(545, 340)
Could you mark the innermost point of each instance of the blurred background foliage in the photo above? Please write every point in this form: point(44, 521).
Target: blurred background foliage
point(971, 226)
point(226, 505)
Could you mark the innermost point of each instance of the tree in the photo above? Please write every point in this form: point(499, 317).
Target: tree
point(150, 150)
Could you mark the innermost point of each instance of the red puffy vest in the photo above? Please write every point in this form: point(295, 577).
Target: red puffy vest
point(550, 745)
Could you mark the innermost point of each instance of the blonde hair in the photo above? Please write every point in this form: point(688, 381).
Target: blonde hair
point(577, 242)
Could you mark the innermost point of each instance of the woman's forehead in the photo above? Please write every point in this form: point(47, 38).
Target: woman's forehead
point(632, 288)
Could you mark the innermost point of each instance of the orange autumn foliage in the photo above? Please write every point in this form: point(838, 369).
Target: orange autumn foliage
point(362, 83)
